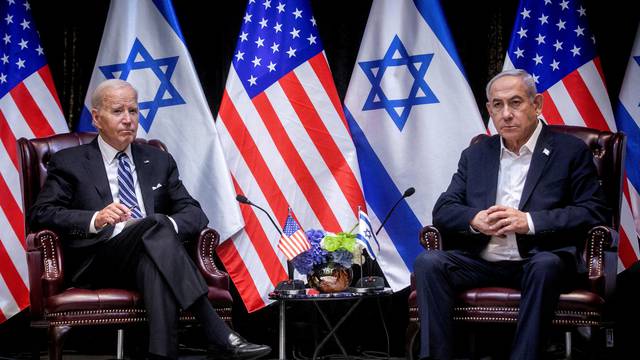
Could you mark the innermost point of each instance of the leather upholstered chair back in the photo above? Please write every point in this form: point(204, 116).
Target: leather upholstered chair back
point(608, 150)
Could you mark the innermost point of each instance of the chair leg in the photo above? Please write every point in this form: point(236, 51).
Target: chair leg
point(473, 345)
point(36, 335)
point(568, 346)
point(410, 339)
point(120, 346)
point(57, 335)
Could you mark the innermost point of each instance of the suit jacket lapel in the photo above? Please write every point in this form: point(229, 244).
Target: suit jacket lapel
point(143, 171)
point(539, 160)
point(95, 165)
point(492, 164)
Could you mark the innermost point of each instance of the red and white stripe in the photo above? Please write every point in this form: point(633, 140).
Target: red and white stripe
point(287, 147)
point(581, 99)
point(294, 244)
point(31, 109)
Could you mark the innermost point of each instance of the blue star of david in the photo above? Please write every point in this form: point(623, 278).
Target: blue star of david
point(146, 61)
point(416, 65)
point(367, 234)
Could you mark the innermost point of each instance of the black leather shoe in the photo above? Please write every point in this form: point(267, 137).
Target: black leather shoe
point(238, 348)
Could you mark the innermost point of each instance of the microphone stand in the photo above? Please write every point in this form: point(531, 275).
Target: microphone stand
point(373, 283)
point(290, 286)
point(369, 283)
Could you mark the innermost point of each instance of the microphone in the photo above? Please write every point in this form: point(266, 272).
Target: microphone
point(371, 283)
point(410, 191)
point(291, 285)
point(243, 200)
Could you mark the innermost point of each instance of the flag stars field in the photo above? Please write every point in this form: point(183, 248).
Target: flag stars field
point(300, 36)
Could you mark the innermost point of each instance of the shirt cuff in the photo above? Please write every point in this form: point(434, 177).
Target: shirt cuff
point(92, 224)
point(473, 231)
point(532, 229)
point(175, 226)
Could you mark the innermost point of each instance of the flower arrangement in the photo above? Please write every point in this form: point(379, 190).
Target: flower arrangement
point(340, 248)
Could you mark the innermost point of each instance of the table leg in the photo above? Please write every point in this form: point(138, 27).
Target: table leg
point(384, 326)
point(281, 341)
point(333, 329)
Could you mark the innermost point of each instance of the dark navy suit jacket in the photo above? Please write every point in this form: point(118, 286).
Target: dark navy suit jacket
point(77, 186)
point(561, 193)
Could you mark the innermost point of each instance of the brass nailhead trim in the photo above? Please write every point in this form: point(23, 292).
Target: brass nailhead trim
point(49, 259)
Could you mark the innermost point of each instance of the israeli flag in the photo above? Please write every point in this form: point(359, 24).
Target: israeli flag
point(142, 44)
point(366, 235)
point(411, 113)
point(628, 121)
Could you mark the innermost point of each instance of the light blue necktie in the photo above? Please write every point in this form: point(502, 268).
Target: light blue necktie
point(125, 183)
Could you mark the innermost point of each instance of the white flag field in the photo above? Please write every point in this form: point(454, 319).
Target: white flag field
point(142, 44)
point(411, 113)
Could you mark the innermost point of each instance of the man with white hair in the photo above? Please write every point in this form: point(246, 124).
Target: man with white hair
point(123, 213)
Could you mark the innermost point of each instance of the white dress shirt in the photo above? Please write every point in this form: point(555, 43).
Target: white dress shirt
point(111, 166)
point(511, 178)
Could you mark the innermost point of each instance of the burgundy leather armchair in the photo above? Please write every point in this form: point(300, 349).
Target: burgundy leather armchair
point(57, 307)
point(585, 306)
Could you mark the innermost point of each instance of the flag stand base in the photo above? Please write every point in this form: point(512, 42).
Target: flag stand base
point(290, 287)
point(369, 284)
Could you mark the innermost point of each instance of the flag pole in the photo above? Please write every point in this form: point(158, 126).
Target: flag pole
point(290, 286)
point(369, 283)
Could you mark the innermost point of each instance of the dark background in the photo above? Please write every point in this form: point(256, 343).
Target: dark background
point(71, 32)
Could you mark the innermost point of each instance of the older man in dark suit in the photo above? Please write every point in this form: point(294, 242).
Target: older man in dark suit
point(123, 211)
point(514, 215)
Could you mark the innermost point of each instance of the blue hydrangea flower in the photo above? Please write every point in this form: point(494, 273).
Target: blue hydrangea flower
point(305, 262)
point(342, 257)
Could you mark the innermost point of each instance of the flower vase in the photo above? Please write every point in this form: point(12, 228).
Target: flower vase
point(330, 277)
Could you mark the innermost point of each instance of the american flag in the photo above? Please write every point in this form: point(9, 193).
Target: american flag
point(294, 240)
point(29, 107)
point(285, 139)
point(628, 121)
point(552, 41)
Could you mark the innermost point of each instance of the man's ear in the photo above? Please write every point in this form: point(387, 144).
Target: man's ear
point(94, 116)
point(537, 103)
